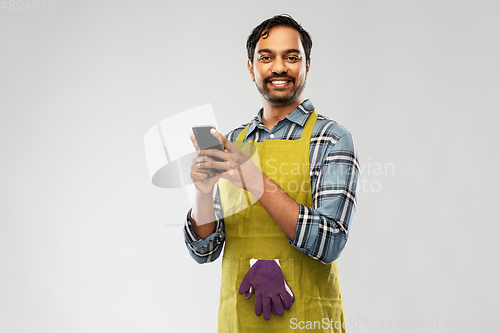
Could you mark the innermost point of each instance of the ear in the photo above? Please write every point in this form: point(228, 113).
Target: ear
point(308, 65)
point(250, 69)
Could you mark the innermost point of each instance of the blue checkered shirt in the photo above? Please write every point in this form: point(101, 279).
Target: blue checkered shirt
point(322, 230)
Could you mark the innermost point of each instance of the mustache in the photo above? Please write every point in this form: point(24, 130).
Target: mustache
point(278, 76)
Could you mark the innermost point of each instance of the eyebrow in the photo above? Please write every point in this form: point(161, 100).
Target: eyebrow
point(286, 51)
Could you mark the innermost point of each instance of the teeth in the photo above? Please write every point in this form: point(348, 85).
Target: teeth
point(279, 82)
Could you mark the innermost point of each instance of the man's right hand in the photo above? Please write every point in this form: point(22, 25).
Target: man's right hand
point(204, 179)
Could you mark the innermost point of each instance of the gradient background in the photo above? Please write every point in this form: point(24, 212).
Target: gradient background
point(88, 244)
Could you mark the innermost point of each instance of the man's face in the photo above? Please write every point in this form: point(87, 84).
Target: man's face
point(279, 67)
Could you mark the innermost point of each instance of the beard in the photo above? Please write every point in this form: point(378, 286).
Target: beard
point(284, 98)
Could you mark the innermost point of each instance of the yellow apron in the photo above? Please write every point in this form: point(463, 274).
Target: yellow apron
point(252, 233)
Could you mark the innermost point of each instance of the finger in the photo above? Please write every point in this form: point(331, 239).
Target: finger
point(245, 285)
point(200, 165)
point(197, 172)
point(273, 310)
point(204, 158)
point(225, 142)
point(195, 143)
point(287, 301)
point(277, 305)
point(214, 153)
point(200, 176)
point(222, 139)
point(258, 304)
point(218, 135)
point(212, 165)
point(266, 304)
point(198, 159)
point(211, 173)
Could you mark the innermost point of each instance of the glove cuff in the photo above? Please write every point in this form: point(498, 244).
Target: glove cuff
point(253, 261)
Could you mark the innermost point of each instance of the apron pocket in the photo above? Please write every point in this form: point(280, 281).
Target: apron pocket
point(236, 313)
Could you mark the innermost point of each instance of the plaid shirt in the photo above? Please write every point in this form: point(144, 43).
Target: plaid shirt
point(322, 230)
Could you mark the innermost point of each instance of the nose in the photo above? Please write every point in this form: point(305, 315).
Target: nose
point(279, 66)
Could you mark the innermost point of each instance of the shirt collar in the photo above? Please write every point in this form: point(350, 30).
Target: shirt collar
point(298, 115)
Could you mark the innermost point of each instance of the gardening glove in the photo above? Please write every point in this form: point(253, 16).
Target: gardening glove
point(272, 293)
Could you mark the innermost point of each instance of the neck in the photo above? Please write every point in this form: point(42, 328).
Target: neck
point(272, 114)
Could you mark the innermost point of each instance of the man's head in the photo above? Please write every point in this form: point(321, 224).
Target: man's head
point(284, 20)
point(278, 59)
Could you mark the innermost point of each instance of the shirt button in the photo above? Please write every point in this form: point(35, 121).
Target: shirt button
point(272, 136)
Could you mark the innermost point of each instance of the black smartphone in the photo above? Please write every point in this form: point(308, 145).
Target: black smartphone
point(205, 139)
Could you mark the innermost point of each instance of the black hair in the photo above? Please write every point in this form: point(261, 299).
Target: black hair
point(283, 20)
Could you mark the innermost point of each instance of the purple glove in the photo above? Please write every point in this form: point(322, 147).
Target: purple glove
point(272, 293)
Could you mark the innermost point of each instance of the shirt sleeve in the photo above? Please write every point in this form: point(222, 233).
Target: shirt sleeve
point(322, 230)
point(208, 249)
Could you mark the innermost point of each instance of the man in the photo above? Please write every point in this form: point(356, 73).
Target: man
point(303, 214)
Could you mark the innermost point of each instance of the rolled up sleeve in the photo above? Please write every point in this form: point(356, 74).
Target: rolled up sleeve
point(208, 249)
point(322, 230)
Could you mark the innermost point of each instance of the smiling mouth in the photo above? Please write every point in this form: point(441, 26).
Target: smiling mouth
point(279, 83)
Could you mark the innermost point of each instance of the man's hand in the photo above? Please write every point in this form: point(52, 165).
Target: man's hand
point(204, 178)
point(237, 166)
point(244, 174)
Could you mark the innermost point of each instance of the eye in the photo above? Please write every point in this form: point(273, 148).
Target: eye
point(264, 58)
point(293, 58)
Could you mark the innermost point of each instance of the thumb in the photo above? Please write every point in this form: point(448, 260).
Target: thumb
point(218, 135)
point(245, 286)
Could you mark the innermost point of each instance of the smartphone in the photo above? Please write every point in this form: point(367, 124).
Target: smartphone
point(205, 139)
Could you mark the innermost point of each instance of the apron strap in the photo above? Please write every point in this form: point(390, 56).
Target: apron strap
point(306, 132)
point(243, 133)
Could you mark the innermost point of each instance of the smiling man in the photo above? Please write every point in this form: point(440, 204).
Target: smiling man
point(281, 246)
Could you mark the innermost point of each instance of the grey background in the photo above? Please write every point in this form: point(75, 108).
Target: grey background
point(87, 244)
